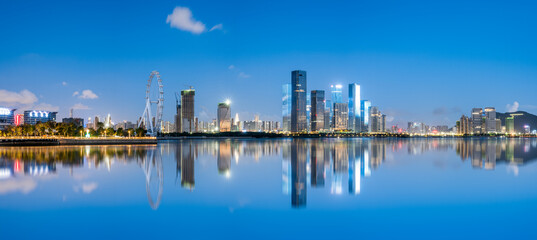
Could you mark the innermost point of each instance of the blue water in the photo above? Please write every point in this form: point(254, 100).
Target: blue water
point(354, 188)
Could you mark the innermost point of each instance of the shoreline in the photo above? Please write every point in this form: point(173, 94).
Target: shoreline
point(62, 141)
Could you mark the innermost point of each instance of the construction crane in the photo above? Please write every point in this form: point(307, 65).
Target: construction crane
point(177, 103)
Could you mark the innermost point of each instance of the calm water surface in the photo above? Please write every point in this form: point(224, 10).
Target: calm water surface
point(272, 189)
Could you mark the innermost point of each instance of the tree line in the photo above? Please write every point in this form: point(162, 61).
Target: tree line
point(67, 130)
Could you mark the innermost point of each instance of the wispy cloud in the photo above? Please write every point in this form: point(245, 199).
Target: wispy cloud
point(46, 107)
point(217, 27)
point(243, 75)
point(86, 94)
point(64, 83)
point(80, 106)
point(24, 185)
point(86, 188)
point(182, 19)
point(23, 97)
point(512, 107)
point(231, 67)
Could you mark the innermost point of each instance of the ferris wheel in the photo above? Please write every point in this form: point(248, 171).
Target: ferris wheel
point(153, 96)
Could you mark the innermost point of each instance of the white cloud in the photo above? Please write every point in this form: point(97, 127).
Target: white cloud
point(389, 119)
point(87, 94)
point(24, 185)
point(64, 83)
point(181, 18)
point(512, 108)
point(46, 107)
point(80, 106)
point(243, 75)
point(231, 67)
point(89, 187)
point(23, 97)
point(76, 93)
point(217, 27)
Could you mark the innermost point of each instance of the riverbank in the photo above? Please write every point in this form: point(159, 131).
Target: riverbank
point(55, 141)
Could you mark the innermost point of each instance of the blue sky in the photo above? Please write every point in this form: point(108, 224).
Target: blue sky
point(417, 60)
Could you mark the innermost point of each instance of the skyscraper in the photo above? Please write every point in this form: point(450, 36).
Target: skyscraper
point(364, 109)
point(224, 117)
point(337, 93)
point(327, 114)
point(477, 120)
point(341, 116)
point(490, 120)
point(354, 108)
point(308, 110)
point(376, 120)
point(286, 107)
point(317, 110)
point(298, 98)
point(187, 110)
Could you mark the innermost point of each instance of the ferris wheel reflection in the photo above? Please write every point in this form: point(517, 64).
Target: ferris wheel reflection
point(151, 164)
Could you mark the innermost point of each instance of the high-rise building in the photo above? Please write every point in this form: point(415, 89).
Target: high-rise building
point(286, 107)
point(178, 118)
point(477, 120)
point(510, 125)
point(464, 125)
point(308, 110)
point(341, 116)
point(337, 93)
point(224, 117)
point(327, 114)
point(317, 110)
point(298, 109)
point(7, 117)
point(33, 117)
point(490, 120)
point(355, 122)
point(188, 123)
point(364, 109)
point(378, 120)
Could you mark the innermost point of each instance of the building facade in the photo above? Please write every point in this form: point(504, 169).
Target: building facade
point(298, 107)
point(7, 117)
point(364, 109)
point(355, 123)
point(224, 117)
point(341, 116)
point(317, 110)
point(477, 120)
point(286, 107)
point(188, 123)
point(33, 117)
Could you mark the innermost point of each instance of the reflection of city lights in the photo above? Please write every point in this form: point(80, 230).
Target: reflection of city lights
point(228, 174)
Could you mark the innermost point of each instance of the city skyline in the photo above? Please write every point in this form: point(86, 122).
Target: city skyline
point(424, 75)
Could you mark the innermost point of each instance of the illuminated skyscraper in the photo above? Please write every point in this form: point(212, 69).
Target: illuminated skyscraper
point(340, 116)
point(224, 117)
point(327, 114)
point(308, 110)
point(187, 110)
point(286, 107)
point(317, 110)
point(364, 109)
point(299, 121)
point(490, 120)
point(337, 93)
point(477, 120)
point(354, 108)
point(510, 125)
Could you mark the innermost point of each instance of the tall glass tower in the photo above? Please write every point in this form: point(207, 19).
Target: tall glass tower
point(299, 121)
point(354, 107)
point(337, 93)
point(364, 109)
point(317, 110)
point(286, 107)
